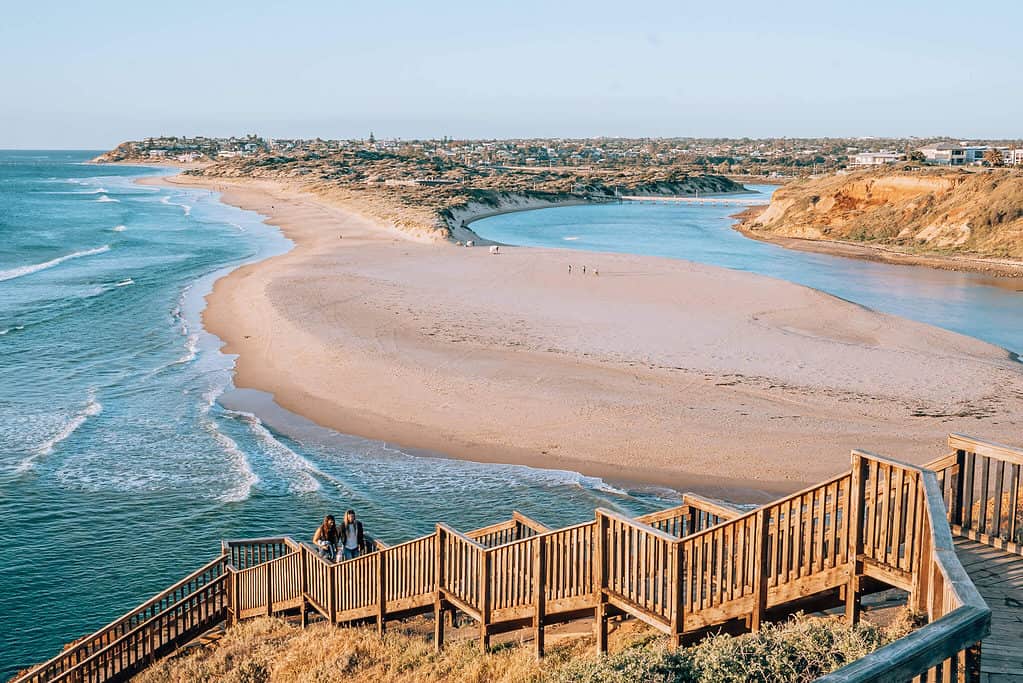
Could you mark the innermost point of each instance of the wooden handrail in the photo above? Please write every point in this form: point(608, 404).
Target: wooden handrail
point(91, 639)
point(530, 522)
point(945, 638)
point(629, 521)
point(141, 627)
point(458, 534)
point(990, 449)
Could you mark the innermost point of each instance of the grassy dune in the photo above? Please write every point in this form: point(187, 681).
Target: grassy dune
point(271, 650)
point(922, 211)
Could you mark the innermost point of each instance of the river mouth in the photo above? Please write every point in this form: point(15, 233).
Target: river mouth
point(974, 304)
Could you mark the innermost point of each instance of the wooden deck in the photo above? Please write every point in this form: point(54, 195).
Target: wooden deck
point(998, 575)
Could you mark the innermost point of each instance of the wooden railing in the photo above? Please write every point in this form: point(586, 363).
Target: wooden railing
point(696, 513)
point(981, 484)
point(901, 535)
point(700, 564)
point(156, 627)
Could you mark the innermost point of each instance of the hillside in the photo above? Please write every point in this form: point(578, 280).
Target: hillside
point(938, 212)
point(273, 651)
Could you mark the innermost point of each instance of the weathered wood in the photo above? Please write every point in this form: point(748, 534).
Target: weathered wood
point(852, 594)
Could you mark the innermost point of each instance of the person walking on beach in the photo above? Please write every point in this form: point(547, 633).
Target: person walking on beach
point(569, 268)
point(327, 537)
point(584, 270)
point(353, 538)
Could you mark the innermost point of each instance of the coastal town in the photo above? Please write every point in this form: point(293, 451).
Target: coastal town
point(772, 157)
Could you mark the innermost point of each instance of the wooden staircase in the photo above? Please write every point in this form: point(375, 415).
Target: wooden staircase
point(700, 565)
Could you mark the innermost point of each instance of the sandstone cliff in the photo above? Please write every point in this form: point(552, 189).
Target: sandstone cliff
point(922, 211)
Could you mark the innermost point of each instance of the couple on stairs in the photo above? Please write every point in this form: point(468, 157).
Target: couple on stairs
point(338, 543)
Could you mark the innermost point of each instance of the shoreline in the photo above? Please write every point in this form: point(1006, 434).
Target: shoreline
point(340, 341)
point(1001, 269)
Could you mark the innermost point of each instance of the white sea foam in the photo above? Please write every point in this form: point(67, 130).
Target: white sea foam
point(119, 228)
point(35, 268)
point(92, 408)
point(11, 329)
point(105, 198)
point(185, 207)
point(297, 469)
point(191, 350)
point(125, 282)
point(242, 488)
point(570, 239)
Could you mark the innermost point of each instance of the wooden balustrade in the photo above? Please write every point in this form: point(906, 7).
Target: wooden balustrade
point(697, 565)
point(696, 513)
point(180, 593)
point(246, 553)
point(982, 490)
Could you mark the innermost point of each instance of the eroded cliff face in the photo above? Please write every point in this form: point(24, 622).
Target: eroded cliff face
point(921, 211)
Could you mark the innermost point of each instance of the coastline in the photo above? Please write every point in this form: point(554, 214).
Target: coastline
point(326, 329)
point(1002, 269)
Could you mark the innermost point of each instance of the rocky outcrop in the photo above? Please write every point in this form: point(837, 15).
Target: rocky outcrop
point(921, 211)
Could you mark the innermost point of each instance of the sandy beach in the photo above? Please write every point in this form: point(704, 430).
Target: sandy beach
point(655, 370)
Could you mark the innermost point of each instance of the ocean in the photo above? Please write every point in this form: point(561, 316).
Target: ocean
point(125, 452)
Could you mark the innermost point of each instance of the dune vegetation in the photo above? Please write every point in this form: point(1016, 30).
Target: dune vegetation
point(915, 210)
point(275, 651)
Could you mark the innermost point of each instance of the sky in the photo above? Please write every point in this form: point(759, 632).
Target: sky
point(90, 75)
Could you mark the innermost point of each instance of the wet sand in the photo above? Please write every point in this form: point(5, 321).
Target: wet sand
point(656, 370)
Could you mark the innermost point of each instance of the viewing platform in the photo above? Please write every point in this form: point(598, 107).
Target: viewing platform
point(948, 534)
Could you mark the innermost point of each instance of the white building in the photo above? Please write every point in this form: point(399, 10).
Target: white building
point(944, 153)
point(1012, 157)
point(881, 158)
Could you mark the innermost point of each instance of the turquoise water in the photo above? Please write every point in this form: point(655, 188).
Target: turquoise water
point(120, 466)
point(968, 303)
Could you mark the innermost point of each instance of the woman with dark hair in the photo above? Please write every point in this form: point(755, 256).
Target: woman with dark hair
point(327, 537)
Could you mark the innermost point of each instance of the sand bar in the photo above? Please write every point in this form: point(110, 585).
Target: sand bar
point(655, 370)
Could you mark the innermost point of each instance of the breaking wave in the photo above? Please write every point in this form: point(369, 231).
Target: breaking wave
point(92, 408)
point(35, 268)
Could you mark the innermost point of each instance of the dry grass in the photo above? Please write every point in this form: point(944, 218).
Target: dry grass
point(273, 651)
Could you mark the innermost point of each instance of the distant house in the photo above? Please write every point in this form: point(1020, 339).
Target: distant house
point(881, 158)
point(157, 152)
point(944, 153)
point(1012, 157)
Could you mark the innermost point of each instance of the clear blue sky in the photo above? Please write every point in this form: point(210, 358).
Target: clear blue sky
point(90, 74)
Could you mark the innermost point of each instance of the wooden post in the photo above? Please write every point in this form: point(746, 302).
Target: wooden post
point(539, 593)
point(235, 601)
point(600, 565)
point(761, 569)
point(303, 563)
point(856, 495)
point(484, 605)
point(332, 594)
point(678, 582)
point(381, 592)
point(438, 604)
point(922, 564)
point(267, 571)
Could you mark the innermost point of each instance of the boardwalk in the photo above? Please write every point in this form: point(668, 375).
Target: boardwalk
point(697, 566)
point(998, 576)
